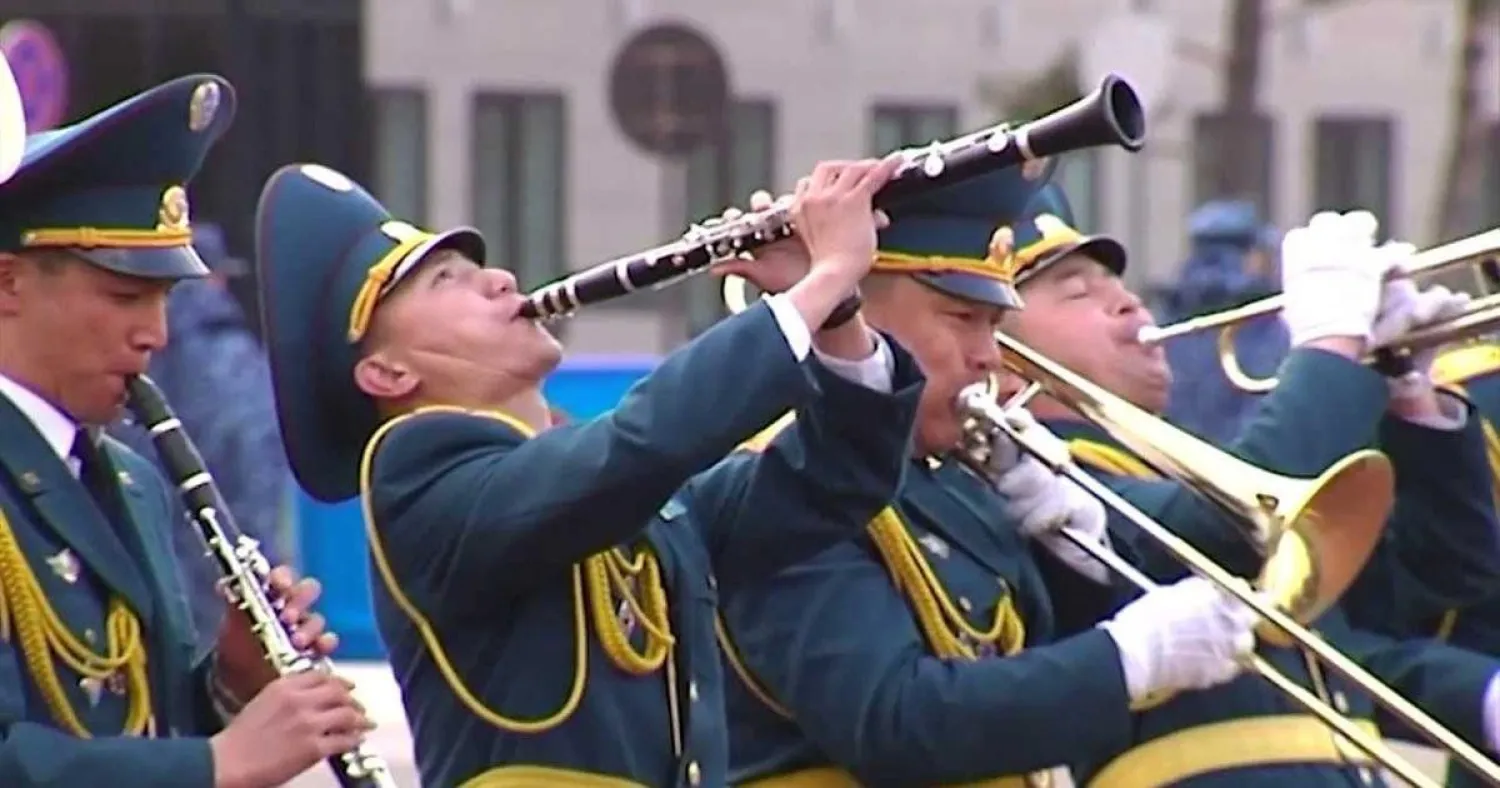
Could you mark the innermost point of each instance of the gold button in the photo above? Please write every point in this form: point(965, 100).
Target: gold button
point(695, 774)
point(1341, 702)
point(693, 691)
point(90, 636)
point(964, 604)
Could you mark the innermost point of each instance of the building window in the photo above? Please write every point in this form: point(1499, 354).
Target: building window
point(401, 152)
point(894, 126)
point(518, 181)
point(1079, 176)
point(723, 175)
point(1352, 166)
point(1210, 152)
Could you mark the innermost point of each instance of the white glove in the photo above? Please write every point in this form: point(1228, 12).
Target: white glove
point(1044, 503)
point(1186, 636)
point(1332, 277)
point(1403, 308)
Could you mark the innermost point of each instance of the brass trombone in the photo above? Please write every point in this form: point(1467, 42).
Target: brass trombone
point(1316, 534)
point(1481, 316)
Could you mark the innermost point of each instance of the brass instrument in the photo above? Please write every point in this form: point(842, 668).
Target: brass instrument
point(1316, 534)
point(1481, 316)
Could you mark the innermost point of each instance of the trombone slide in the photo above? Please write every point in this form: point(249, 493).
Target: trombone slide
point(1370, 745)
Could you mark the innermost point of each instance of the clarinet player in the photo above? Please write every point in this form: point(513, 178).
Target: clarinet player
point(547, 593)
point(100, 682)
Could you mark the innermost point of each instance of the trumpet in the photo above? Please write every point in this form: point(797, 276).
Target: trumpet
point(243, 566)
point(1112, 114)
point(1317, 534)
point(1480, 317)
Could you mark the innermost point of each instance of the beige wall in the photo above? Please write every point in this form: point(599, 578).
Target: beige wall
point(1377, 56)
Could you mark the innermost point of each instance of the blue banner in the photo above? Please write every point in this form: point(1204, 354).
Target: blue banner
point(331, 537)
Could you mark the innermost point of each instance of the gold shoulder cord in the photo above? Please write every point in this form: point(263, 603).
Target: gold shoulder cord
point(605, 580)
point(949, 634)
point(26, 613)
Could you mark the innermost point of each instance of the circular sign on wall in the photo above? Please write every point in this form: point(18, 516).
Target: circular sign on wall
point(669, 89)
point(41, 70)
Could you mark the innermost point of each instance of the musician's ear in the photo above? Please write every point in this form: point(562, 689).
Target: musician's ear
point(10, 286)
point(383, 377)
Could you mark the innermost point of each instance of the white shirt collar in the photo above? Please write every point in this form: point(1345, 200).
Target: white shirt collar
point(56, 427)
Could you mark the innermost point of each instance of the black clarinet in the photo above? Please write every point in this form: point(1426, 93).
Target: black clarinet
point(244, 568)
point(1112, 114)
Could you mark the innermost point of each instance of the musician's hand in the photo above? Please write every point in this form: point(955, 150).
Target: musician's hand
point(773, 268)
point(1185, 636)
point(295, 723)
point(833, 211)
point(1404, 308)
point(1332, 277)
point(1045, 503)
point(241, 665)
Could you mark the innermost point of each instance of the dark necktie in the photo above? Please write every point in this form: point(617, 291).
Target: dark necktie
point(93, 471)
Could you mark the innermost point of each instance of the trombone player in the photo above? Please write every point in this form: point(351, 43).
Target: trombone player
point(944, 645)
point(1328, 405)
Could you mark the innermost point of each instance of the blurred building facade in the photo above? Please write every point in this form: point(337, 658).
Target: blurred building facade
point(497, 114)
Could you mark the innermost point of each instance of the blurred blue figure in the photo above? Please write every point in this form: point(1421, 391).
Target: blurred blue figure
point(216, 377)
point(1232, 261)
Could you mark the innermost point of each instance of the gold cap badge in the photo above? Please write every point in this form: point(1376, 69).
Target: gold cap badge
point(173, 214)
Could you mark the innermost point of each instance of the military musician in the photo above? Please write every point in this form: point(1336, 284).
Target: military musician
point(547, 592)
point(946, 645)
point(100, 680)
point(1338, 304)
point(1473, 620)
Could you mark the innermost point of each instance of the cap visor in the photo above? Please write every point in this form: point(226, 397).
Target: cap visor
point(979, 289)
point(178, 262)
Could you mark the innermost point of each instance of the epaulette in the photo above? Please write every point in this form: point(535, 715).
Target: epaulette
point(1466, 362)
point(758, 442)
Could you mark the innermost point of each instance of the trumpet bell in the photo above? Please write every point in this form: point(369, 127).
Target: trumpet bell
point(1329, 530)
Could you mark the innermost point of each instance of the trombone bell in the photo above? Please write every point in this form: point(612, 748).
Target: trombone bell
point(1315, 534)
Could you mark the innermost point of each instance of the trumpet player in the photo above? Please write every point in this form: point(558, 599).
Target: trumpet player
point(945, 645)
point(101, 681)
point(547, 592)
point(1328, 404)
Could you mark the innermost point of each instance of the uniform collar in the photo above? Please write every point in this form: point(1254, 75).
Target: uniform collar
point(56, 427)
